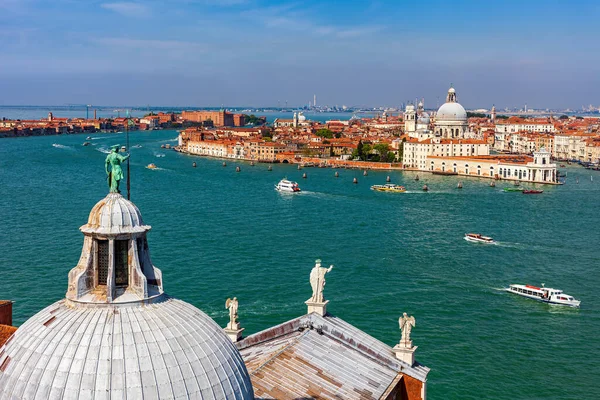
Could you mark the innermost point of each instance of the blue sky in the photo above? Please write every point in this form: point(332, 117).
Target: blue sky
point(253, 52)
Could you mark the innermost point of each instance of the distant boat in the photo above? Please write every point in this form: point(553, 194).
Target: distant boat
point(513, 189)
point(287, 186)
point(544, 294)
point(151, 166)
point(86, 143)
point(389, 187)
point(478, 238)
point(532, 191)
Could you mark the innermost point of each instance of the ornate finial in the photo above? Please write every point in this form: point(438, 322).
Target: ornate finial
point(233, 329)
point(317, 302)
point(115, 173)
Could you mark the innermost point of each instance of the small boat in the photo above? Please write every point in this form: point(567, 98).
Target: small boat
point(389, 187)
point(86, 143)
point(532, 191)
point(417, 178)
point(492, 184)
point(287, 186)
point(459, 186)
point(151, 166)
point(544, 294)
point(478, 238)
point(162, 146)
point(517, 183)
point(425, 188)
point(88, 138)
point(562, 165)
point(513, 189)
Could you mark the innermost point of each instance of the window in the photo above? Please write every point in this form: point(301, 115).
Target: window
point(121, 264)
point(102, 261)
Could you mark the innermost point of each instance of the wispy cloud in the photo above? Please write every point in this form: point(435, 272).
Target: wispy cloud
point(151, 44)
point(128, 9)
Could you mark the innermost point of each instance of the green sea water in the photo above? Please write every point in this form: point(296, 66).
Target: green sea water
point(217, 234)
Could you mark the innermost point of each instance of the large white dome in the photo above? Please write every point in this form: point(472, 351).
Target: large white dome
point(167, 349)
point(451, 112)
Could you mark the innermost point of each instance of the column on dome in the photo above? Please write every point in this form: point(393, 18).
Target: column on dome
point(82, 278)
point(137, 280)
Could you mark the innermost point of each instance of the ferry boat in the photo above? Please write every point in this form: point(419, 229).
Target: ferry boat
point(478, 238)
point(532, 191)
point(287, 186)
point(544, 294)
point(389, 187)
point(513, 189)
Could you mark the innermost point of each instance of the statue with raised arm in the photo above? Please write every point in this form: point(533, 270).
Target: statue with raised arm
point(232, 305)
point(115, 172)
point(317, 282)
point(406, 325)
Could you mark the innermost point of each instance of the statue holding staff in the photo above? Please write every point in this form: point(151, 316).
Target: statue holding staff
point(115, 173)
point(317, 281)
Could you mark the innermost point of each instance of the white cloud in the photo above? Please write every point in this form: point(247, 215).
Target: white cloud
point(128, 9)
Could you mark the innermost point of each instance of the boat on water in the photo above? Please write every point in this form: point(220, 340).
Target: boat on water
point(513, 189)
point(151, 166)
point(544, 294)
point(86, 143)
point(389, 187)
point(287, 186)
point(88, 138)
point(532, 191)
point(478, 238)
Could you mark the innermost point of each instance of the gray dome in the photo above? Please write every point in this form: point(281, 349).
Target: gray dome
point(163, 350)
point(451, 112)
point(115, 215)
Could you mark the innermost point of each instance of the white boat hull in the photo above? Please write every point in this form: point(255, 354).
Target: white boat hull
point(553, 299)
point(475, 240)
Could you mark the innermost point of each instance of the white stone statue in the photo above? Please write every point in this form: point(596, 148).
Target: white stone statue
point(317, 282)
point(232, 305)
point(406, 325)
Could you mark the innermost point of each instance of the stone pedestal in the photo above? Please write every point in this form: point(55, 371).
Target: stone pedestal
point(406, 354)
point(234, 331)
point(317, 307)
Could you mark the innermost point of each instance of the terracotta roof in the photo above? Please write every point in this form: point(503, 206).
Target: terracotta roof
point(6, 332)
point(322, 357)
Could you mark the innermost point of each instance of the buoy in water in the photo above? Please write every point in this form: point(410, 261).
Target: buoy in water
point(459, 186)
point(337, 175)
point(425, 188)
point(365, 173)
point(417, 178)
point(224, 164)
point(194, 164)
point(304, 175)
point(388, 179)
point(577, 180)
point(237, 169)
point(355, 180)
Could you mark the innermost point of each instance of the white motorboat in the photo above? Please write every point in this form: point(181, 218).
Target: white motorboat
point(477, 238)
point(287, 186)
point(544, 294)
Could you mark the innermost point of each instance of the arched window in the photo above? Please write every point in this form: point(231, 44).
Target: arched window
point(454, 167)
point(467, 169)
point(443, 167)
point(479, 170)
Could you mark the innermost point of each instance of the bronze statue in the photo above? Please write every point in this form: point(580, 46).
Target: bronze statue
point(115, 174)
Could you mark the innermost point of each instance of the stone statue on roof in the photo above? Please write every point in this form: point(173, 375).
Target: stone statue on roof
point(232, 305)
point(406, 325)
point(115, 173)
point(317, 281)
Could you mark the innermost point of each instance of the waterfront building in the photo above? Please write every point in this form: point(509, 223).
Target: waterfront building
point(517, 124)
point(218, 118)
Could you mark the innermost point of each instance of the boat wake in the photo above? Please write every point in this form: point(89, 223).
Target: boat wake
point(62, 146)
point(509, 244)
point(136, 146)
point(159, 155)
point(173, 140)
point(103, 150)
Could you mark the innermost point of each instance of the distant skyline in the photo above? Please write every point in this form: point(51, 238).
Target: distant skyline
point(261, 53)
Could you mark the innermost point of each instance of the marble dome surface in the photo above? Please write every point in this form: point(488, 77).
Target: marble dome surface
point(115, 215)
point(164, 350)
point(451, 112)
